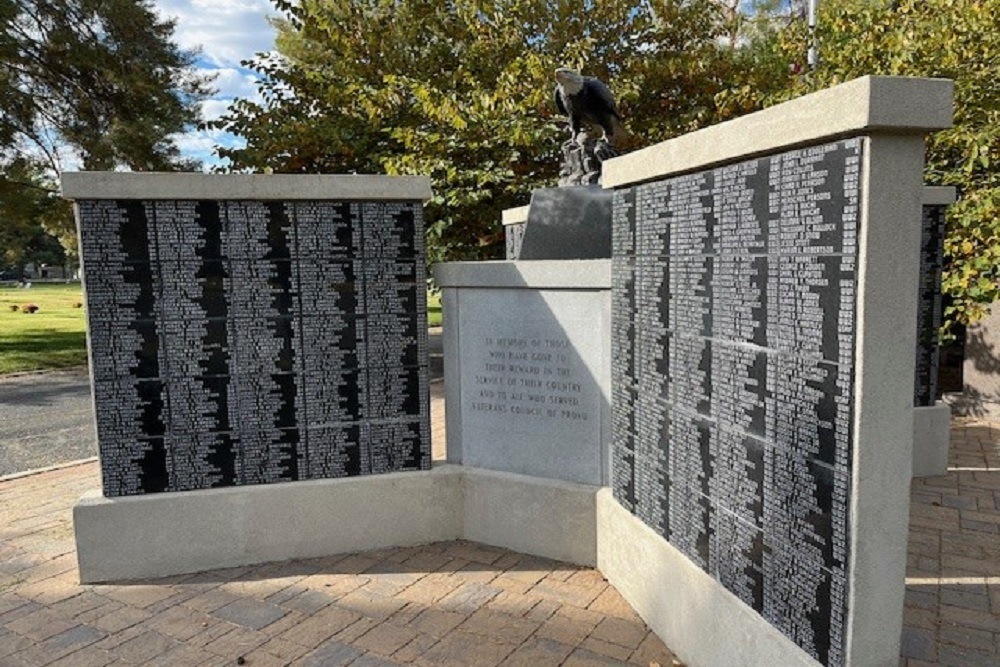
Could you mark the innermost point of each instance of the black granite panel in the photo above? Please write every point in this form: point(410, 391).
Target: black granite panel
point(733, 300)
point(251, 342)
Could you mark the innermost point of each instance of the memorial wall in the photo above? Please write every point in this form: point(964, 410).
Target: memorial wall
point(733, 301)
point(240, 342)
point(929, 313)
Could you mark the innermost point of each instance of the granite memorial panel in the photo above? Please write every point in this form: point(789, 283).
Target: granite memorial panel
point(252, 342)
point(733, 299)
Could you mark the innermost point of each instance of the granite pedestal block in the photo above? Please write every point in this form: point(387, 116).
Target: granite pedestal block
point(526, 348)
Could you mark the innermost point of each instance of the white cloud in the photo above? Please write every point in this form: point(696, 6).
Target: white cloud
point(226, 31)
point(231, 82)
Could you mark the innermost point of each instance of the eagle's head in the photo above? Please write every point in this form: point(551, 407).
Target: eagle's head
point(569, 79)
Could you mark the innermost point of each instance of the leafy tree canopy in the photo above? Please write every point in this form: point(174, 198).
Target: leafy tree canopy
point(99, 76)
point(954, 39)
point(462, 90)
point(27, 201)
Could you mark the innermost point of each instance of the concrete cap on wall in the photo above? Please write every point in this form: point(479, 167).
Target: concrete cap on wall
point(937, 195)
point(538, 274)
point(254, 187)
point(515, 216)
point(871, 104)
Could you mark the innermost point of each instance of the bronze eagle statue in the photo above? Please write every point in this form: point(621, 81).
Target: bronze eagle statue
point(585, 99)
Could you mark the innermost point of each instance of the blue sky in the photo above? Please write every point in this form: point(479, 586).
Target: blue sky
point(226, 32)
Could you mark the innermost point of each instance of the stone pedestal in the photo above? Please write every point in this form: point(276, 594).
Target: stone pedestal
point(930, 440)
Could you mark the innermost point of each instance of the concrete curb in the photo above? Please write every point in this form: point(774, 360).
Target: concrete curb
point(38, 471)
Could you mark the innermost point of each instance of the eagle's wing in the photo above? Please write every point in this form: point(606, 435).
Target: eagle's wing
point(601, 92)
point(559, 102)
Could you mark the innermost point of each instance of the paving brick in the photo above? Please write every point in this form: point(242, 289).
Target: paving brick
point(919, 643)
point(374, 606)
point(618, 631)
point(331, 654)
point(537, 652)
point(455, 650)
point(416, 648)
point(308, 602)
point(951, 656)
point(499, 627)
point(236, 643)
point(320, 626)
point(565, 593)
point(385, 639)
point(253, 614)
point(40, 625)
point(467, 598)
point(138, 596)
point(436, 622)
point(180, 623)
point(370, 660)
point(968, 638)
point(652, 651)
point(356, 630)
point(145, 647)
point(606, 649)
point(280, 648)
point(584, 658)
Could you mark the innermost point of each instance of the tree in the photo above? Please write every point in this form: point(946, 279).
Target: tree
point(954, 39)
point(100, 77)
point(462, 90)
point(26, 199)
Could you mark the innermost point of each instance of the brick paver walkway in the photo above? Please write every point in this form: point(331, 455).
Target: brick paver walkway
point(455, 603)
point(952, 614)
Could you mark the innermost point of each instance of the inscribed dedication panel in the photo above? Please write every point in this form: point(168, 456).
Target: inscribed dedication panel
point(733, 299)
point(251, 342)
point(531, 400)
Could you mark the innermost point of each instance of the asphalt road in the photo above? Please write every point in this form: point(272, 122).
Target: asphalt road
point(47, 418)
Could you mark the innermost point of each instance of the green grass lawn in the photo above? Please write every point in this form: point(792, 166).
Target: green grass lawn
point(433, 309)
point(52, 337)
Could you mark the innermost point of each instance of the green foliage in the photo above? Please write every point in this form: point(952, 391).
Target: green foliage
point(462, 90)
point(954, 39)
point(26, 199)
point(99, 75)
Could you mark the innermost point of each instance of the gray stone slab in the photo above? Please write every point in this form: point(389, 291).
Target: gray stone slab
point(568, 223)
point(870, 103)
point(193, 186)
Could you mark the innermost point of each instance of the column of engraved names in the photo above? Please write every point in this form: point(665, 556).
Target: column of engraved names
point(651, 354)
point(122, 285)
point(194, 350)
point(810, 305)
point(929, 304)
point(328, 271)
point(264, 307)
point(689, 384)
point(396, 418)
point(738, 378)
point(623, 357)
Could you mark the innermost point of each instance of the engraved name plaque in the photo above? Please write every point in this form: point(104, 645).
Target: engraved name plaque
point(733, 299)
point(240, 342)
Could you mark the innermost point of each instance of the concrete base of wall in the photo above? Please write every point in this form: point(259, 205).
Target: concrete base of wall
point(930, 440)
point(164, 534)
point(702, 622)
